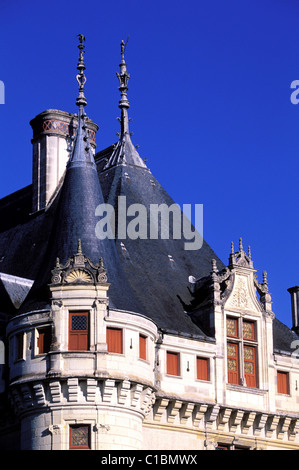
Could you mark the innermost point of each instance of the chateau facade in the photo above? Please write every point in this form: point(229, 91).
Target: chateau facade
point(130, 344)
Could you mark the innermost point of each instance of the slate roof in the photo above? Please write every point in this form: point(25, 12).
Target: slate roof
point(13, 291)
point(284, 338)
point(152, 275)
point(23, 235)
point(157, 270)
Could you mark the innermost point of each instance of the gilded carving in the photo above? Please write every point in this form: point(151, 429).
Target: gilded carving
point(79, 269)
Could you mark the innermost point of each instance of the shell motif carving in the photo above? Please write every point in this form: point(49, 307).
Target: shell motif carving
point(79, 269)
point(78, 275)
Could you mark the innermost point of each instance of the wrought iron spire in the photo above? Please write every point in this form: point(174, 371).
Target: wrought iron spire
point(124, 152)
point(82, 154)
point(81, 79)
point(123, 77)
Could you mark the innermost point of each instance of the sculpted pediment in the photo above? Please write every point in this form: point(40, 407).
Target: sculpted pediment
point(243, 294)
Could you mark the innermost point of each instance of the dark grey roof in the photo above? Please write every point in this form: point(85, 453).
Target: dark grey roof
point(157, 270)
point(283, 338)
point(6, 304)
point(23, 235)
point(13, 291)
point(147, 276)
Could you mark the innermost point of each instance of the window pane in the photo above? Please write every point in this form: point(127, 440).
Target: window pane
point(248, 330)
point(232, 364)
point(79, 322)
point(79, 437)
point(249, 368)
point(232, 327)
point(248, 353)
point(231, 349)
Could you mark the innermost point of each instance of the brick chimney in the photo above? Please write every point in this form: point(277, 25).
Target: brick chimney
point(52, 142)
point(294, 291)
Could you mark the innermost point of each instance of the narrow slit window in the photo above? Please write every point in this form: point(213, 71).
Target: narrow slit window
point(142, 347)
point(202, 368)
point(44, 340)
point(283, 383)
point(20, 346)
point(233, 363)
point(173, 363)
point(250, 366)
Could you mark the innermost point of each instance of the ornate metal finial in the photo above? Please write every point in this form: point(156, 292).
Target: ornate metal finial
point(265, 280)
point(79, 249)
point(123, 77)
point(81, 79)
point(232, 248)
point(249, 252)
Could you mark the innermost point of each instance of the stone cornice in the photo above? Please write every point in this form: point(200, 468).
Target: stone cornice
point(156, 408)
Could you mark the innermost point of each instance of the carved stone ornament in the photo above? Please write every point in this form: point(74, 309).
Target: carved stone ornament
point(79, 270)
point(55, 429)
point(240, 294)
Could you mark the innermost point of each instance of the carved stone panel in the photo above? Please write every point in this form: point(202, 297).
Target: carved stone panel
point(241, 297)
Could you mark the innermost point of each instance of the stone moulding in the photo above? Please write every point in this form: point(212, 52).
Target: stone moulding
point(155, 409)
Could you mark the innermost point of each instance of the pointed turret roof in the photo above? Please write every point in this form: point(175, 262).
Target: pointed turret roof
point(75, 217)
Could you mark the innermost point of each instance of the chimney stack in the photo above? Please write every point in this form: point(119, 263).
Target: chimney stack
point(52, 142)
point(294, 291)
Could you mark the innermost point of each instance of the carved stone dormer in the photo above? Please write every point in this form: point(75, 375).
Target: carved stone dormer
point(240, 258)
point(245, 286)
point(79, 269)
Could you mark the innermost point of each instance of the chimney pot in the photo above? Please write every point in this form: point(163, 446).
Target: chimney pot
point(294, 291)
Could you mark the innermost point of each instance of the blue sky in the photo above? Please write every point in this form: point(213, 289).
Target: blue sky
point(210, 102)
